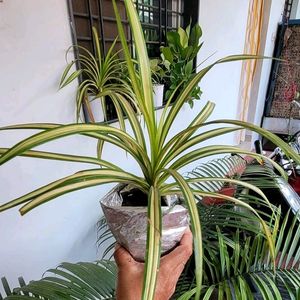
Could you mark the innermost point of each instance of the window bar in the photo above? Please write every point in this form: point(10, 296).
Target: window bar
point(166, 24)
point(160, 21)
point(143, 10)
point(137, 5)
point(129, 34)
point(76, 54)
point(101, 25)
point(177, 15)
point(287, 11)
point(91, 23)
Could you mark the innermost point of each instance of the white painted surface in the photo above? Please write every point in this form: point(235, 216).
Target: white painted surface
point(96, 108)
point(158, 94)
point(273, 20)
point(36, 35)
point(281, 125)
point(295, 13)
point(224, 27)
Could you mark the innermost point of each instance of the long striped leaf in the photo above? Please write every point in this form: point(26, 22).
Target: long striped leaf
point(93, 134)
point(179, 148)
point(202, 116)
point(190, 87)
point(143, 59)
point(131, 69)
point(65, 157)
point(265, 133)
point(247, 185)
point(218, 149)
point(108, 176)
point(153, 248)
point(97, 174)
point(127, 142)
point(195, 225)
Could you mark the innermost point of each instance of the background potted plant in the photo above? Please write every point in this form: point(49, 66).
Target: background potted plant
point(178, 58)
point(101, 77)
point(160, 159)
point(158, 77)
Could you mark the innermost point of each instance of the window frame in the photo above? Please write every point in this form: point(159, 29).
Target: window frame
point(190, 14)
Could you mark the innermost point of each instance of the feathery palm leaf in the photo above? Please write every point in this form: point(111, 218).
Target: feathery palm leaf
point(238, 265)
point(82, 281)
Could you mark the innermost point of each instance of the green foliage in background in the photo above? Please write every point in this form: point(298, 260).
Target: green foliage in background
point(178, 57)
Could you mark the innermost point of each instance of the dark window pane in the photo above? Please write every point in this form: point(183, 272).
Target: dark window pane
point(174, 20)
point(86, 44)
point(95, 7)
point(151, 35)
point(157, 17)
point(108, 10)
point(153, 50)
point(83, 28)
point(80, 6)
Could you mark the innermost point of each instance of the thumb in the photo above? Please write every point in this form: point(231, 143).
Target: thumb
point(122, 256)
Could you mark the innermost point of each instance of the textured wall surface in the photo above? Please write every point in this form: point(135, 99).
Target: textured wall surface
point(288, 77)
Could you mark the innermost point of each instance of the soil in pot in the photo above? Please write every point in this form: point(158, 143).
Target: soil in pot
point(136, 198)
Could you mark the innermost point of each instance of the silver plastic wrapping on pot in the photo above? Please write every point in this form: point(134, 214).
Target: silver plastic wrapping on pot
point(129, 223)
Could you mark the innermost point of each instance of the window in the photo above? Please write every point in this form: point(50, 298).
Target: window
point(157, 17)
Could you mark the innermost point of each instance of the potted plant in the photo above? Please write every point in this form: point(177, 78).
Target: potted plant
point(100, 76)
point(230, 168)
point(158, 79)
point(178, 58)
point(159, 156)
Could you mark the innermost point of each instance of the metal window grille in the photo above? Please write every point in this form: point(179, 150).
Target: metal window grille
point(157, 17)
point(287, 11)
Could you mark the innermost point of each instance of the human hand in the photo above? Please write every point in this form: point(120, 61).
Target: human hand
point(131, 272)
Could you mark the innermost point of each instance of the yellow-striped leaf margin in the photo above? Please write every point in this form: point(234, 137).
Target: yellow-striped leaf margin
point(153, 248)
point(195, 226)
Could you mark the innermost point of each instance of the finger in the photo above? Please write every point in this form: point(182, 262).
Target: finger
point(181, 254)
point(187, 238)
point(122, 256)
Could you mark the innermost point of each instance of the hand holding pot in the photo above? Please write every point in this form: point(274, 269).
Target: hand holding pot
point(130, 272)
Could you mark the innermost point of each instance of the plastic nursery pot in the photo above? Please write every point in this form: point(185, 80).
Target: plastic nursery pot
point(96, 109)
point(128, 222)
point(226, 191)
point(158, 94)
point(295, 183)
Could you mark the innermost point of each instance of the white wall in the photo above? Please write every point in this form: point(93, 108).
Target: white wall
point(35, 35)
point(295, 13)
point(264, 69)
point(224, 27)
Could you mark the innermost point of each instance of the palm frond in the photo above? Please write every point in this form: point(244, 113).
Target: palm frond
point(241, 263)
point(82, 281)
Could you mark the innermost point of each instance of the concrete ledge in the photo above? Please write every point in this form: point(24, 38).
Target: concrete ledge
point(281, 125)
